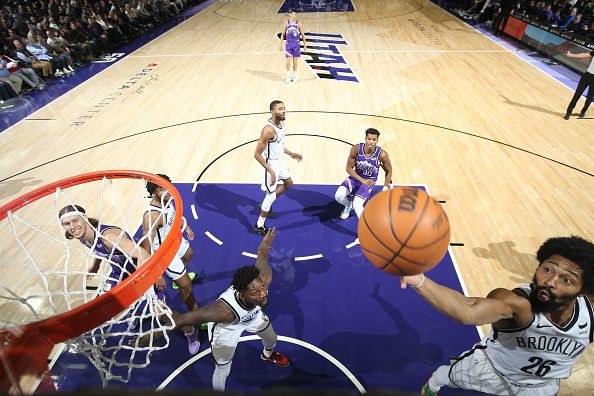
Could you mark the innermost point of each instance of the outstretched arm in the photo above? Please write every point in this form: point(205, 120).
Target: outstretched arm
point(500, 304)
point(580, 56)
point(119, 239)
point(216, 312)
point(262, 260)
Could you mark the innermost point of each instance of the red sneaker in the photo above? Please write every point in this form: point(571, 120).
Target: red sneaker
point(278, 359)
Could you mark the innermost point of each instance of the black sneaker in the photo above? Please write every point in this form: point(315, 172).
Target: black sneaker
point(582, 114)
point(567, 116)
point(260, 230)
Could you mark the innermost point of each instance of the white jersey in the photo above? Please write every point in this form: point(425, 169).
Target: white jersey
point(541, 350)
point(275, 148)
point(244, 317)
point(168, 214)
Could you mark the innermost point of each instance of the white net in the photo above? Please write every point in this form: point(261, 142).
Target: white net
point(47, 272)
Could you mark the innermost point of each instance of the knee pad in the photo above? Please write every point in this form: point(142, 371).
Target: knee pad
point(268, 200)
point(341, 193)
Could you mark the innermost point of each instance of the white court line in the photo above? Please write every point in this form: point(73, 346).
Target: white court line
point(252, 255)
point(408, 51)
point(194, 212)
point(354, 243)
point(303, 258)
point(458, 274)
point(291, 340)
point(215, 239)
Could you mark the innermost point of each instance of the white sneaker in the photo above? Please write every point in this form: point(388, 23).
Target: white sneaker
point(295, 79)
point(288, 80)
point(346, 212)
point(70, 68)
point(58, 73)
point(66, 71)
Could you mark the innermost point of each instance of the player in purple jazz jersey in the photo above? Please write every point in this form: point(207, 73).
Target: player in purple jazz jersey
point(118, 248)
point(363, 166)
point(292, 33)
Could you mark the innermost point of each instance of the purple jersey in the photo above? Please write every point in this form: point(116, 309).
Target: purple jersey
point(292, 32)
point(367, 167)
point(118, 260)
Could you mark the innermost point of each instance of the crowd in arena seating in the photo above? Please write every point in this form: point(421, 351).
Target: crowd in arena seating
point(575, 16)
point(44, 41)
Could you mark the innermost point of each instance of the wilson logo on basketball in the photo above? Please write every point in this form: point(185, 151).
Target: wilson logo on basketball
point(408, 201)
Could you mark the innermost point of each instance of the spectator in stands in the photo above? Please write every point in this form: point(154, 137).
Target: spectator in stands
point(556, 19)
point(26, 74)
point(6, 92)
point(40, 52)
point(12, 80)
point(586, 81)
point(570, 18)
point(500, 20)
point(576, 25)
point(23, 54)
point(545, 15)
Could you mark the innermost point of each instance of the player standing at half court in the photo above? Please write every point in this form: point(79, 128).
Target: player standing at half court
point(292, 33)
point(269, 153)
point(363, 166)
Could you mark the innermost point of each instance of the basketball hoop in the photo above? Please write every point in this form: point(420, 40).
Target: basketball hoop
point(24, 347)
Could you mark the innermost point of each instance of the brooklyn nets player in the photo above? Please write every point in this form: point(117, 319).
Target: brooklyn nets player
point(539, 330)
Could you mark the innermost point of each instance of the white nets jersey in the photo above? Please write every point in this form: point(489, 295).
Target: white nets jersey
point(168, 214)
point(275, 148)
point(541, 350)
point(244, 317)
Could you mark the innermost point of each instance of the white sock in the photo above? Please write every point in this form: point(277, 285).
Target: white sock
point(260, 221)
point(267, 352)
point(439, 378)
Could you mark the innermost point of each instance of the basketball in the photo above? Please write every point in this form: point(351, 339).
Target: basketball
point(404, 231)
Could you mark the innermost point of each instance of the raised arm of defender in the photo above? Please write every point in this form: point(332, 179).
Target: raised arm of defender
point(262, 259)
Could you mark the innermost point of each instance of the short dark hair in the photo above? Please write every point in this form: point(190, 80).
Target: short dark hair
point(575, 249)
point(244, 276)
point(274, 103)
point(152, 187)
point(372, 131)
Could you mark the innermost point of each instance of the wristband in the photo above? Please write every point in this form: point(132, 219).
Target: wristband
point(420, 283)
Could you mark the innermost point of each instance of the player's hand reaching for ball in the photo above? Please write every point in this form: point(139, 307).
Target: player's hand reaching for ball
point(411, 280)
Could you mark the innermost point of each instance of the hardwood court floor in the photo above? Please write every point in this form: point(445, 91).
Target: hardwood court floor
point(482, 128)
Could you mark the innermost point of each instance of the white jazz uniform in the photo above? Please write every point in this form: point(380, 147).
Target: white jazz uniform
point(529, 360)
point(177, 268)
point(273, 154)
point(225, 336)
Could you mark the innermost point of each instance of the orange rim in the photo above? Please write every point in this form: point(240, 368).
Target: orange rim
point(26, 347)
